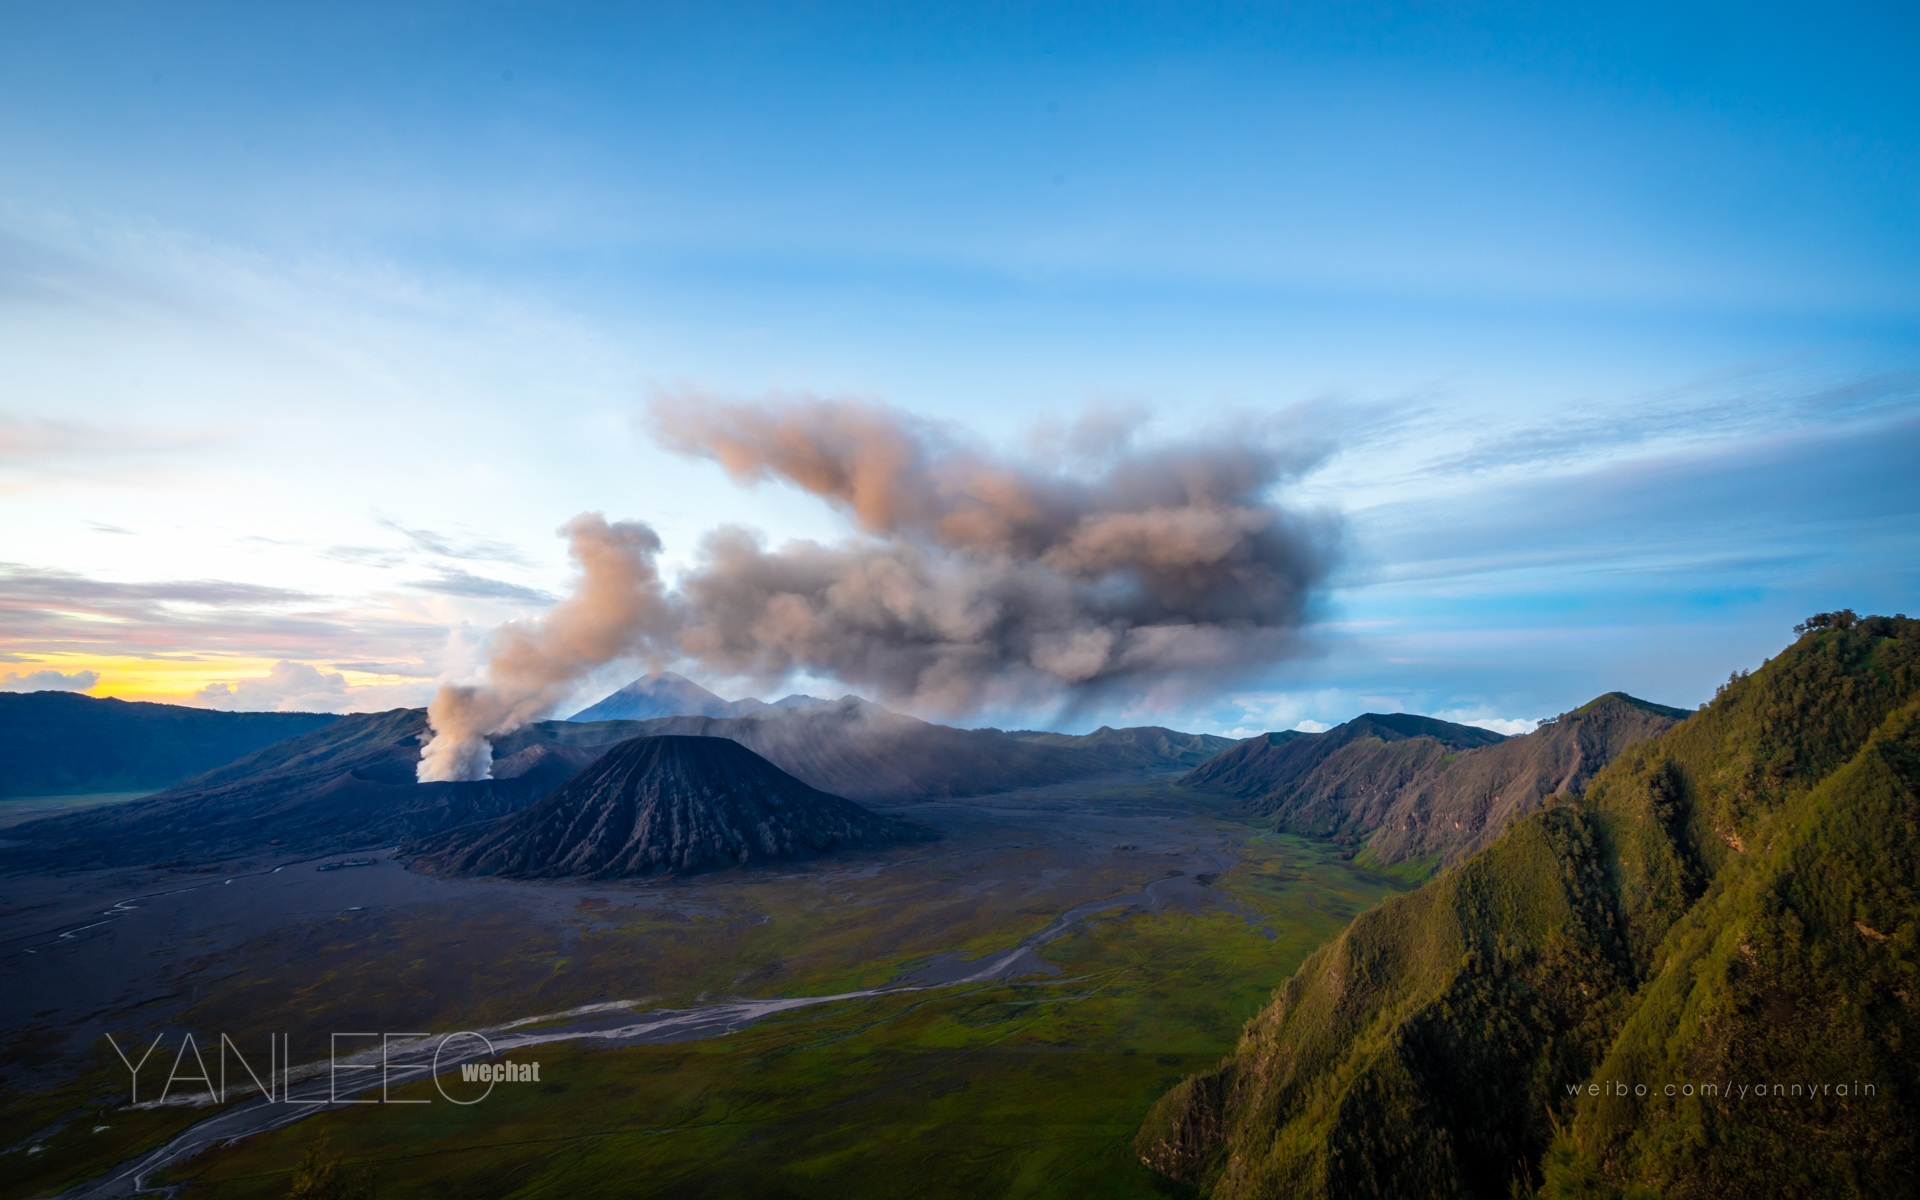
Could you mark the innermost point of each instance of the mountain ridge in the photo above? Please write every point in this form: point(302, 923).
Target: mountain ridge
point(63, 743)
point(1412, 789)
point(351, 783)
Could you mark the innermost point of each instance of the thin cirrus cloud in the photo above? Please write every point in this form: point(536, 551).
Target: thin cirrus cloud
point(404, 670)
point(46, 445)
point(1753, 505)
point(1742, 406)
point(479, 587)
point(53, 611)
point(452, 546)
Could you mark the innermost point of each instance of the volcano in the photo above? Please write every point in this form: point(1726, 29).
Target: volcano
point(661, 804)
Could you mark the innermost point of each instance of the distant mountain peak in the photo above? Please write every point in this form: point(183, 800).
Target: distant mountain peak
point(664, 694)
point(671, 694)
point(1609, 699)
point(1411, 725)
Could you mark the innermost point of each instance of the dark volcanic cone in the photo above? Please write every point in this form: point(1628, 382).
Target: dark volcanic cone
point(657, 804)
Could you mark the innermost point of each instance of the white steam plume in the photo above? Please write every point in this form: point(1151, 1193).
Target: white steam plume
point(617, 610)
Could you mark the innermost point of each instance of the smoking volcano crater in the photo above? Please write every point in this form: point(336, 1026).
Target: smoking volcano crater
point(661, 804)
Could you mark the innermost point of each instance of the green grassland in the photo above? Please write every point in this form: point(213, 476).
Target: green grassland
point(1029, 1088)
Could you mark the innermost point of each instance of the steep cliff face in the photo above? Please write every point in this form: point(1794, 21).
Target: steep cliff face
point(1471, 799)
point(1735, 901)
point(1417, 788)
point(1313, 780)
point(661, 804)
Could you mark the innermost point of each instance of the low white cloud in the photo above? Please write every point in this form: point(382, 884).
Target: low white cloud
point(1478, 718)
point(289, 687)
point(49, 681)
point(1511, 727)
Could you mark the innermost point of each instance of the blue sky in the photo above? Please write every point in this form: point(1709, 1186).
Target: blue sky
point(1612, 316)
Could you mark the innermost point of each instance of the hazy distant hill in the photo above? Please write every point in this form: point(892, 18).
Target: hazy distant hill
point(865, 752)
point(59, 743)
point(667, 694)
point(661, 804)
point(1735, 901)
point(1148, 746)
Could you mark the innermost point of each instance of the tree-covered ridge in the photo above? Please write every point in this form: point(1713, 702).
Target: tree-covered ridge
point(1797, 972)
point(1737, 895)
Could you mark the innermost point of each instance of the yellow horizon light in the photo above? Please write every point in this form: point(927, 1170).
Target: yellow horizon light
point(170, 680)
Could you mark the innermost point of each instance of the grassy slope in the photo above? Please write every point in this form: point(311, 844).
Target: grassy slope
point(1797, 971)
point(1428, 1051)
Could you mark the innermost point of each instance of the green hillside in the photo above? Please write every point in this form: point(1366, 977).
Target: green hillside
point(1730, 904)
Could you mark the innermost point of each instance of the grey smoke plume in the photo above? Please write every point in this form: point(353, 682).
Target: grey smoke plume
point(982, 580)
point(618, 609)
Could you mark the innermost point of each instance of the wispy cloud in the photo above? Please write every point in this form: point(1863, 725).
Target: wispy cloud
point(39, 451)
point(454, 546)
point(1761, 504)
point(462, 583)
point(52, 611)
point(1737, 407)
point(404, 670)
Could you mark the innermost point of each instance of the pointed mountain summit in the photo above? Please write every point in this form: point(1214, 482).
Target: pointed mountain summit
point(664, 694)
point(661, 804)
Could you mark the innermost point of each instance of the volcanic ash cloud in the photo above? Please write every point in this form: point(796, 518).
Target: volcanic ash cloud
point(980, 579)
point(618, 610)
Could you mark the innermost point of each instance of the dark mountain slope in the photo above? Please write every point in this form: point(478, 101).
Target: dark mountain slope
point(59, 743)
point(1148, 747)
point(349, 784)
point(1740, 894)
point(657, 804)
